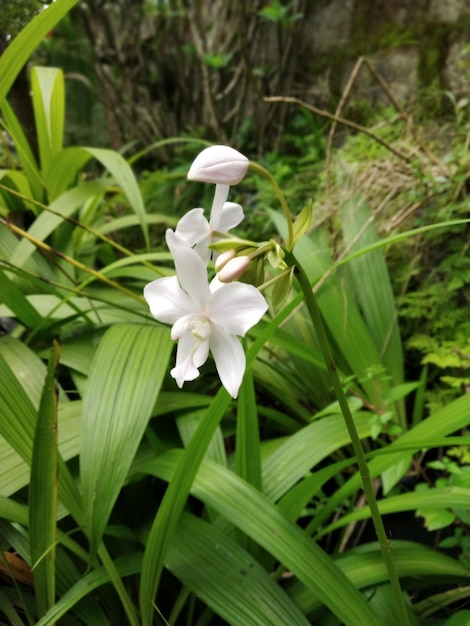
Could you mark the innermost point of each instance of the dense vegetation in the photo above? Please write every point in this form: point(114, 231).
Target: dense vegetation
point(333, 487)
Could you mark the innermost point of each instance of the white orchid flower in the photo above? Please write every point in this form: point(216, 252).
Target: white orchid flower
point(197, 231)
point(205, 318)
point(219, 165)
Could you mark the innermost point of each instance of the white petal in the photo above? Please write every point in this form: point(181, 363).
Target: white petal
point(231, 216)
point(229, 359)
point(203, 250)
point(189, 356)
point(166, 300)
point(236, 307)
point(219, 164)
point(193, 227)
point(190, 270)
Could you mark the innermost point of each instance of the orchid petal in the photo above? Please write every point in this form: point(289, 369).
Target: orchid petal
point(236, 307)
point(189, 356)
point(166, 300)
point(219, 164)
point(229, 359)
point(230, 216)
point(193, 227)
point(190, 269)
point(203, 250)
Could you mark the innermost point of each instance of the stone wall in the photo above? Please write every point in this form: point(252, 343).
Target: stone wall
point(419, 47)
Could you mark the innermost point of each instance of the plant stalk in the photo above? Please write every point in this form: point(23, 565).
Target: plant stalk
point(385, 546)
point(259, 169)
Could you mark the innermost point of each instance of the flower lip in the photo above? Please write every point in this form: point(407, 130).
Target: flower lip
point(220, 165)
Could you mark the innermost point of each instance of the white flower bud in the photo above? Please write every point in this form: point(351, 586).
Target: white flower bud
point(233, 269)
point(224, 258)
point(220, 165)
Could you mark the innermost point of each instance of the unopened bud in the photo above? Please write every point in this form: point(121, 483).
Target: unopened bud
point(220, 165)
point(233, 269)
point(224, 258)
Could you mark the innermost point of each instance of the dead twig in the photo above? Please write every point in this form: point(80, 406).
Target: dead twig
point(341, 120)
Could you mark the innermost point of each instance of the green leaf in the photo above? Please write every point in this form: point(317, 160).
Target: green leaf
point(252, 512)
point(452, 418)
point(14, 298)
point(461, 618)
point(436, 519)
point(20, 49)
point(247, 452)
point(64, 171)
point(124, 382)
point(227, 578)
point(25, 154)
point(365, 567)
point(46, 223)
point(17, 411)
point(126, 566)
point(124, 177)
point(302, 222)
point(293, 459)
point(373, 287)
point(173, 502)
point(47, 84)
point(188, 424)
point(438, 498)
point(43, 491)
point(281, 289)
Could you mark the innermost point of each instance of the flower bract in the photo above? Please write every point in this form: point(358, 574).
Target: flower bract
point(205, 318)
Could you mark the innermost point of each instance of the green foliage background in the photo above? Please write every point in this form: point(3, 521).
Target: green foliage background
point(124, 500)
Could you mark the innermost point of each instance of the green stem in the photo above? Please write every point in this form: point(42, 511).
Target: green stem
point(385, 546)
point(259, 169)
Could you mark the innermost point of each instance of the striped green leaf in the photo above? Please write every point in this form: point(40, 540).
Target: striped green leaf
point(227, 578)
point(25, 154)
point(43, 491)
point(247, 452)
point(365, 567)
point(47, 84)
point(252, 512)
point(172, 505)
point(123, 387)
point(430, 499)
point(373, 289)
point(20, 49)
point(452, 418)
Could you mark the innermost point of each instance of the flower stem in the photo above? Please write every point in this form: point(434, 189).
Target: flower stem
point(385, 546)
point(259, 169)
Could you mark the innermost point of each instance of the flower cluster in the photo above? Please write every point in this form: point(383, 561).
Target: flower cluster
point(208, 317)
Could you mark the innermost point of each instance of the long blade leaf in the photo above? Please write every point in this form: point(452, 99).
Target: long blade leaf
point(43, 491)
point(123, 386)
point(20, 49)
